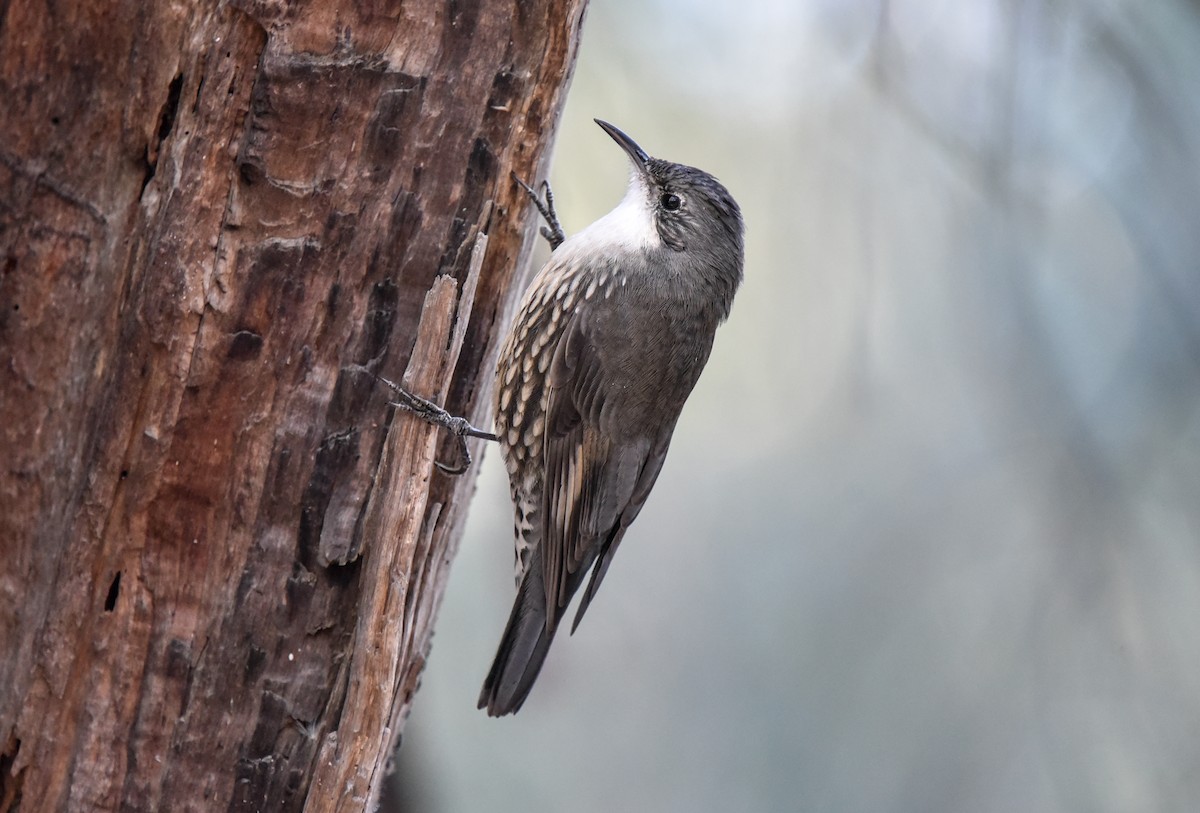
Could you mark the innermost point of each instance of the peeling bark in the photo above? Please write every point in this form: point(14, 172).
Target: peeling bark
point(223, 552)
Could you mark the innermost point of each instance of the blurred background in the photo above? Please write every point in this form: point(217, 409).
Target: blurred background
point(928, 538)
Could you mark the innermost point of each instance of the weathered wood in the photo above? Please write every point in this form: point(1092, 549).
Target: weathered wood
point(223, 552)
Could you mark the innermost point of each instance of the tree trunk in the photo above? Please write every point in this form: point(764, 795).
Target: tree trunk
point(223, 551)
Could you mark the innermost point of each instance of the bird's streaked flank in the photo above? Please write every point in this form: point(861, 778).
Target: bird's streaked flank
point(607, 345)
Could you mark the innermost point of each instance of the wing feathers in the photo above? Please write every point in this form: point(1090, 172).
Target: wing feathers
point(594, 483)
point(647, 474)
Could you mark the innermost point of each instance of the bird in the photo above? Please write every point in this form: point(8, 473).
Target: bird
point(609, 340)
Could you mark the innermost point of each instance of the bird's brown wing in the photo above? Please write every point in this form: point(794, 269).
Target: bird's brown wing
point(596, 476)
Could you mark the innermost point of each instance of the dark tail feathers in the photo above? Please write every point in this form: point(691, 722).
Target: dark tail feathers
point(523, 648)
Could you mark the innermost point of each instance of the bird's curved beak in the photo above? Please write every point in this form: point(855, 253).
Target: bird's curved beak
point(636, 154)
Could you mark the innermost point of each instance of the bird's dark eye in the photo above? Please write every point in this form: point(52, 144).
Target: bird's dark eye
point(670, 201)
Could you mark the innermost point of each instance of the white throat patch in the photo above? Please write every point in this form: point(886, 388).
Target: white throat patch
point(630, 225)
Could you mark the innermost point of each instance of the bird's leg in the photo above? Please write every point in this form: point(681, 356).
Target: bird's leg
point(434, 414)
point(553, 230)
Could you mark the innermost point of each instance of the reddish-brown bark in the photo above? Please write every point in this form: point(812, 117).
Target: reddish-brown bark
point(223, 552)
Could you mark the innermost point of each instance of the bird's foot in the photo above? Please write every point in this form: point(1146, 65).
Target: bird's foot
point(430, 412)
point(553, 230)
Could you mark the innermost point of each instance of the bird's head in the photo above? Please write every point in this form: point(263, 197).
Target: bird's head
point(687, 209)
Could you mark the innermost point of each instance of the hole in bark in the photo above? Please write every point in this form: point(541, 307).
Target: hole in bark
point(246, 344)
point(114, 590)
point(124, 473)
point(249, 172)
point(10, 783)
point(166, 119)
point(381, 316)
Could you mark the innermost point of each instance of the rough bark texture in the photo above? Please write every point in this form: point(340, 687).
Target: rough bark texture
point(222, 550)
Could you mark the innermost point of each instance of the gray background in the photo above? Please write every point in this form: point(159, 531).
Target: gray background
point(927, 538)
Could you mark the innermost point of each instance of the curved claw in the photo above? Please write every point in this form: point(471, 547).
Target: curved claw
point(553, 230)
point(461, 468)
point(461, 429)
point(433, 414)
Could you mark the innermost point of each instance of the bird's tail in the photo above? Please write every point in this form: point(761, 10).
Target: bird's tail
point(523, 648)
